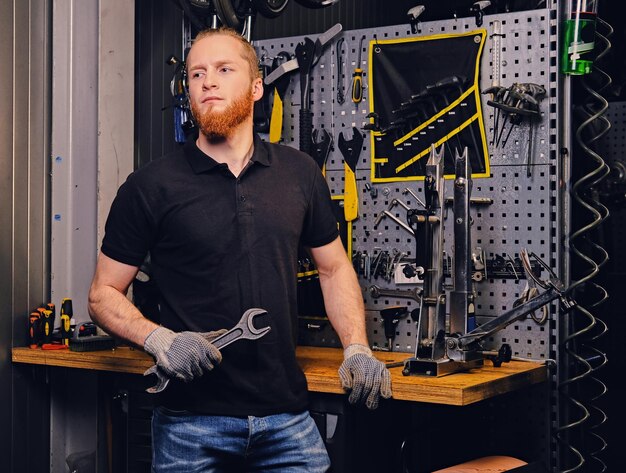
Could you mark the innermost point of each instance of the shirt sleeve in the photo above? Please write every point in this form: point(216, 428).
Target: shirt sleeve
point(129, 228)
point(320, 225)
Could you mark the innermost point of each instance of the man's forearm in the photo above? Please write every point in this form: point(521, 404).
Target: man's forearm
point(344, 304)
point(112, 311)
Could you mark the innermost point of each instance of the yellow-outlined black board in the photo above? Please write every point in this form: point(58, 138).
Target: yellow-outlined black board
point(425, 91)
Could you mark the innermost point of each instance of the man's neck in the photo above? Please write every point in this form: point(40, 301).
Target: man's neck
point(235, 150)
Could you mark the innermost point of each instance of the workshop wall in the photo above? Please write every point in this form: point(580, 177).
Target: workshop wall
point(158, 36)
point(24, 224)
point(155, 135)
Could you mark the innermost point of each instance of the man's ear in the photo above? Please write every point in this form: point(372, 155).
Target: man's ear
point(257, 89)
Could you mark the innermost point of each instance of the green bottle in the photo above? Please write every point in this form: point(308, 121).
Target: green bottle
point(579, 34)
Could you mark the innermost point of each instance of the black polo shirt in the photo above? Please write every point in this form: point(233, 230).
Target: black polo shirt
point(219, 245)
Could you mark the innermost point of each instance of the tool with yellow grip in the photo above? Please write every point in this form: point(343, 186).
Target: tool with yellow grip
point(280, 90)
point(350, 151)
point(66, 315)
point(357, 77)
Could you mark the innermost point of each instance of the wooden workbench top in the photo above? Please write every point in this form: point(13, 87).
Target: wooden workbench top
point(320, 366)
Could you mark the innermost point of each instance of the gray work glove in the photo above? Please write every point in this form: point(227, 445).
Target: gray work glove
point(364, 376)
point(184, 355)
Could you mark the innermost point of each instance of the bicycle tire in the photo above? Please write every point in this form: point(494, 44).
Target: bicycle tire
point(315, 4)
point(191, 13)
point(227, 14)
point(201, 4)
point(270, 8)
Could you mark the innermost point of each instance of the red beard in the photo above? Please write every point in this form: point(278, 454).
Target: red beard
point(220, 125)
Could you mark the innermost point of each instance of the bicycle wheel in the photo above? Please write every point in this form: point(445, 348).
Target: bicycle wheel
point(202, 4)
point(195, 13)
point(232, 13)
point(270, 8)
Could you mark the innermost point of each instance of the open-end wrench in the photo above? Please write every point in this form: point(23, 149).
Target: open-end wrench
point(321, 149)
point(377, 292)
point(244, 329)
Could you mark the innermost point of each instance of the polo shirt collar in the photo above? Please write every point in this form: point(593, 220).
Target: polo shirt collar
point(201, 162)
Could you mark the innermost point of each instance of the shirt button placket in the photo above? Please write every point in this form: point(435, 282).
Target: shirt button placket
point(240, 195)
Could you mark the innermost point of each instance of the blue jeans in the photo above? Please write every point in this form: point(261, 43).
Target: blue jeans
point(188, 443)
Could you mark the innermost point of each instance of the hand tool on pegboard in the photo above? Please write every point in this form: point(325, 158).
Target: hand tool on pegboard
point(414, 14)
point(357, 77)
point(280, 86)
point(261, 112)
point(350, 150)
point(341, 93)
point(391, 318)
point(478, 10)
point(307, 53)
point(321, 147)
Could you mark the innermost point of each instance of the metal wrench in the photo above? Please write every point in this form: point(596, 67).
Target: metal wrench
point(244, 329)
point(377, 292)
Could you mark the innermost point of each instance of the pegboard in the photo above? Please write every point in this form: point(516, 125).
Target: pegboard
point(523, 212)
point(612, 148)
point(614, 142)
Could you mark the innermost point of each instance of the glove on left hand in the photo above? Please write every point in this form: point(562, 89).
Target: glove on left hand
point(184, 355)
point(367, 378)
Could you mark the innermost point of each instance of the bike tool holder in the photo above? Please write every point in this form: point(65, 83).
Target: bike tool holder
point(448, 346)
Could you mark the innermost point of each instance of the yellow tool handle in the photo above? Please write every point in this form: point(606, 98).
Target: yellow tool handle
point(276, 120)
point(65, 329)
point(350, 195)
point(357, 85)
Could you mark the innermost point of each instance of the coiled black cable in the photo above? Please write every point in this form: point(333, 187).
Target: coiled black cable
point(581, 418)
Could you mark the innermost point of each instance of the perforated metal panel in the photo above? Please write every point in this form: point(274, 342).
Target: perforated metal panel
point(612, 147)
point(523, 212)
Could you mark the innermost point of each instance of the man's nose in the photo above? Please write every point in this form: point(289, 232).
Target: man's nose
point(209, 80)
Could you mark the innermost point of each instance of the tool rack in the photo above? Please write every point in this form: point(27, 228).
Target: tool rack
point(525, 211)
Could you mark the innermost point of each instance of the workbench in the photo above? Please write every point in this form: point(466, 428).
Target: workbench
point(320, 366)
point(407, 430)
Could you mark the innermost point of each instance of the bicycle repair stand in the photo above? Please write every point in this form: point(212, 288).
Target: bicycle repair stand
point(444, 347)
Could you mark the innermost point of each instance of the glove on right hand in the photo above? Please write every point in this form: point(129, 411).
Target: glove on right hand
point(184, 355)
point(366, 378)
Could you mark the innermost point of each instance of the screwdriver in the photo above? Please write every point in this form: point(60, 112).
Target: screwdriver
point(66, 317)
point(50, 306)
point(34, 329)
point(44, 337)
point(46, 324)
point(357, 77)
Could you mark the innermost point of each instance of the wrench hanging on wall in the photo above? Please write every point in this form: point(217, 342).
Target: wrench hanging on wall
point(350, 149)
point(307, 53)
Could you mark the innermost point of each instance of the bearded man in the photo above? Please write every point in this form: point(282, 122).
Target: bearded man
point(222, 219)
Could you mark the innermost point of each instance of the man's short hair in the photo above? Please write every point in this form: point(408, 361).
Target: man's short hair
point(249, 53)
